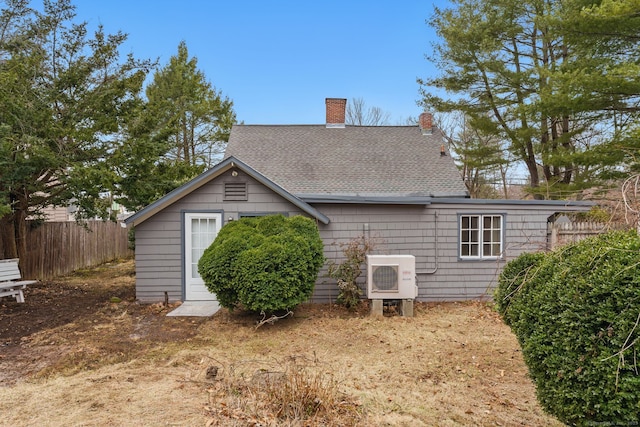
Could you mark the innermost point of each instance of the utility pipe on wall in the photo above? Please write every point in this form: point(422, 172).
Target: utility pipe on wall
point(435, 232)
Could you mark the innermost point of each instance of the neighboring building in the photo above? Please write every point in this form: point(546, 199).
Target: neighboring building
point(59, 214)
point(394, 184)
point(68, 213)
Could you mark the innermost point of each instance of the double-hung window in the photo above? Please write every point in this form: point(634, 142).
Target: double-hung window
point(481, 236)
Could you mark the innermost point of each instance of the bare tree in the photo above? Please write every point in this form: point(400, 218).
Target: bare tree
point(481, 158)
point(358, 114)
point(409, 121)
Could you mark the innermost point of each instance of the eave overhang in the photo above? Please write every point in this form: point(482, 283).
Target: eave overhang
point(206, 177)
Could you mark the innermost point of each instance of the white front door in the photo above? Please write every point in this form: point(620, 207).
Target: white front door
point(200, 229)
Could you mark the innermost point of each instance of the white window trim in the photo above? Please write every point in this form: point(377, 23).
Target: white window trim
point(480, 241)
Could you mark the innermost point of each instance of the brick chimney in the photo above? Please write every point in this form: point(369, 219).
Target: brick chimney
point(426, 123)
point(336, 108)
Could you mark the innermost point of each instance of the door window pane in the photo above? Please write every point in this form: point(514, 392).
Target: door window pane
point(203, 232)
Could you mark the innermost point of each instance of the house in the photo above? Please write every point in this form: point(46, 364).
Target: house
point(68, 213)
point(394, 184)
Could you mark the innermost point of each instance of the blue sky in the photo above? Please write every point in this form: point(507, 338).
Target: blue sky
point(279, 60)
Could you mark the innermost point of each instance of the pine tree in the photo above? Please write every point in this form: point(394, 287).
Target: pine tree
point(178, 132)
point(63, 97)
point(547, 91)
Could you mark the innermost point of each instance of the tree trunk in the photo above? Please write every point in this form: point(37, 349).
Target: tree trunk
point(185, 140)
point(20, 227)
point(13, 229)
point(569, 167)
point(532, 167)
point(8, 247)
point(505, 184)
point(192, 142)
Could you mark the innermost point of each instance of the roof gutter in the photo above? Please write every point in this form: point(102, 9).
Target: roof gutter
point(579, 205)
point(388, 200)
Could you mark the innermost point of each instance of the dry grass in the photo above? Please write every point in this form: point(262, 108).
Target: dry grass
point(452, 364)
point(295, 392)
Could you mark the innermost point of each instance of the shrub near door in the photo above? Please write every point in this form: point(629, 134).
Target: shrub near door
point(264, 264)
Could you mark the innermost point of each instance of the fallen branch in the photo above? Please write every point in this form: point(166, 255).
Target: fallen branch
point(624, 348)
point(273, 319)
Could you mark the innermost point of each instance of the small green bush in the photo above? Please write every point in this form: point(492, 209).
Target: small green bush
point(576, 318)
point(131, 238)
point(264, 264)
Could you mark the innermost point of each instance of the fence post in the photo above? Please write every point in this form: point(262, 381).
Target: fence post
point(554, 236)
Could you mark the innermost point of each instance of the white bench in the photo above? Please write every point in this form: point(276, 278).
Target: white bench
point(10, 283)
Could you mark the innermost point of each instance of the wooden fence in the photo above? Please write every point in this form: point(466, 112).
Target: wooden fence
point(569, 232)
point(58, 248)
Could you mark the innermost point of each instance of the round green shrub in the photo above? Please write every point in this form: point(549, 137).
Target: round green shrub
point(268, 263)
point(219, 265)
point(577, 322)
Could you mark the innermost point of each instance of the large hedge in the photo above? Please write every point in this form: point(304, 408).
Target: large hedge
point(514, 276)
point(575, 312)
point(268, 263)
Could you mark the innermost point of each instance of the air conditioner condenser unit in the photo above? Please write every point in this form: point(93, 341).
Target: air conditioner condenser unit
point(391, 277)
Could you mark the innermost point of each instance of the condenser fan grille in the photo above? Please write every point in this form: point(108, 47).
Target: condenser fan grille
point(385, 277)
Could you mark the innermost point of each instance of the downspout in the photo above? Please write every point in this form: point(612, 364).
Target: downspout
point(435, 232)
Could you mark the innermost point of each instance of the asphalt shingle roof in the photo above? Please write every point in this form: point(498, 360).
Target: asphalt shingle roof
point(397, 161)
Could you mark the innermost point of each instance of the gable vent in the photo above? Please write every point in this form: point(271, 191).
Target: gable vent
point(235, 191)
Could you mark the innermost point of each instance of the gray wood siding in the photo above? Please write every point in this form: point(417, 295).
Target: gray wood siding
point(158, 252)
point(396, 229)
point(412, 230)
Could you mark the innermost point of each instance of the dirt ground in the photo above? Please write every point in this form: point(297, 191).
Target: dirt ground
point(81, 351)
